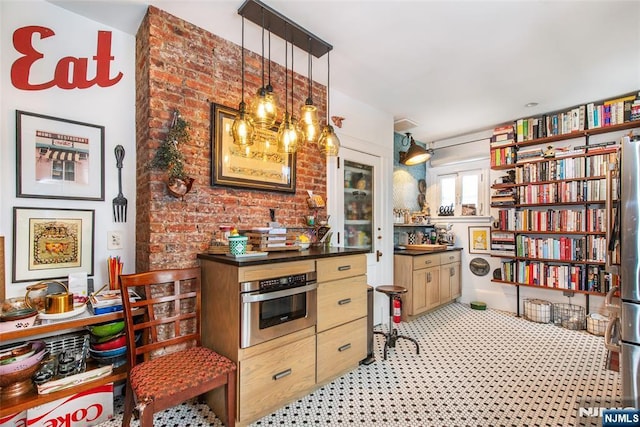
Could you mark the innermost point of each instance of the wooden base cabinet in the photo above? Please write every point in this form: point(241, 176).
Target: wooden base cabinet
point(431, 280)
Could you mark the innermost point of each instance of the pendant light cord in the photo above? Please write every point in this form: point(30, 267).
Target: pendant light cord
point(286, 72)
point(328, 77)
point(262, 47)
point(310, 66)
point(269, 57)
point(242, 60)
point(292, 79)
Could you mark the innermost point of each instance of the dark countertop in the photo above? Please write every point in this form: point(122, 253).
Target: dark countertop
point(416, 253)
point(282, 256)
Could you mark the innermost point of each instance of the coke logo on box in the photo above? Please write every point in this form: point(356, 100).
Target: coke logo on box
point(19, 419)
point(88, 408)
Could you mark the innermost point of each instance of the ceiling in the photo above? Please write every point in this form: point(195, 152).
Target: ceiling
point(453, 67)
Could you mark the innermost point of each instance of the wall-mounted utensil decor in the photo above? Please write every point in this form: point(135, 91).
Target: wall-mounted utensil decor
point(119, 202)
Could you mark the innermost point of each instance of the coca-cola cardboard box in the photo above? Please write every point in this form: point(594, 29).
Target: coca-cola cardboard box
point(85, 409)
point(19, 419)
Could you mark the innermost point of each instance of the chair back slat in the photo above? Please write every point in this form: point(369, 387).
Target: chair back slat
point(170, 302)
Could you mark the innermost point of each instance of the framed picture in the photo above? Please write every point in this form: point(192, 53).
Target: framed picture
point(52, 243)
point(260, 167)
point(59, 158)
point(479, 240)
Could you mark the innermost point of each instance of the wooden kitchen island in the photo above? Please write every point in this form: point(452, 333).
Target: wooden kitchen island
point(280, 370)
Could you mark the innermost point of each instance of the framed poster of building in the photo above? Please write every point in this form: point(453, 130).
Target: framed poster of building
point(59, 158)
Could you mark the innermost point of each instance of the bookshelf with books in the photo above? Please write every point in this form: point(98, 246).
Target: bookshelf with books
point(552, 213)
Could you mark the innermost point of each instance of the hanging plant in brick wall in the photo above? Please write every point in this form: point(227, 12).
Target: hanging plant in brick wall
point(169, 158)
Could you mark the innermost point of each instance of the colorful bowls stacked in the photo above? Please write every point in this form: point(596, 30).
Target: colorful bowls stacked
point(18, 362)
point(108, 344)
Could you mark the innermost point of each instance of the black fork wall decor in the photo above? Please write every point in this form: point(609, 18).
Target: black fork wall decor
point(119, 202)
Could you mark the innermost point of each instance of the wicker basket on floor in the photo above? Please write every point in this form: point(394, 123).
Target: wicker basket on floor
point(537, 310)
point(569, 316)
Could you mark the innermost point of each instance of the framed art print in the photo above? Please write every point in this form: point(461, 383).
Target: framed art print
point(52, 243)
point(58, 158)
point(259, 166)
point(479, 240)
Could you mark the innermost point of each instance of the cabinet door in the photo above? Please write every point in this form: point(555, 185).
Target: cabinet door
point(425, 290)
point(454, 281)
point(445, 283)
point(433, 287)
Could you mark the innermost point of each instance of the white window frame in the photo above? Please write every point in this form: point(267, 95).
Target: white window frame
point(479, 168)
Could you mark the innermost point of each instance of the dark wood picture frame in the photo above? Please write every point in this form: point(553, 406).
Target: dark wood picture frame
point(259, 168)
point(51, 243)
point(58, 158)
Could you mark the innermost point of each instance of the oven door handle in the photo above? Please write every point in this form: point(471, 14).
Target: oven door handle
point(257, 297)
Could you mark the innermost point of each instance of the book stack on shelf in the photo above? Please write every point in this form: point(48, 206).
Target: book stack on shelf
point(503, 196)
point(529, 154)
point(613, 111)
point(502, 150)
point(503, 243)
point(108, 301)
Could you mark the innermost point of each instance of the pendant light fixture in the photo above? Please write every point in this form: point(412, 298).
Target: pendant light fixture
point(263, 109)
point(309, 124)
point(287, 133)
point(242, 129)
point(328, 143)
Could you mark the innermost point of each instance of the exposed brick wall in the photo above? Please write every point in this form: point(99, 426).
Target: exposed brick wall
point(181, 66)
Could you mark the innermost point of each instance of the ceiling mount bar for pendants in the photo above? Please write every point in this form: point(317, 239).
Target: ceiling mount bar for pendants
point(280, 25)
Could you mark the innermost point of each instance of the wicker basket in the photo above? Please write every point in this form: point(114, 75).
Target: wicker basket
point(537, 310)
point(569, 316)
point(596, 325)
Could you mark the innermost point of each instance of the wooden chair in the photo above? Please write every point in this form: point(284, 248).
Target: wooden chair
point(168, 365)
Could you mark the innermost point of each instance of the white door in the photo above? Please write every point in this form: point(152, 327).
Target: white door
point(356, 193)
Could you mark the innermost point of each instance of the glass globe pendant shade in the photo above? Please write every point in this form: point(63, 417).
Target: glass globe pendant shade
point(288, 135)
point(242, 129)
point(329, 143)
point(309, 124)
point(264, 110)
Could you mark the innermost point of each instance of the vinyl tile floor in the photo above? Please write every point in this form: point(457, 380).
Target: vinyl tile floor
point(475, 368)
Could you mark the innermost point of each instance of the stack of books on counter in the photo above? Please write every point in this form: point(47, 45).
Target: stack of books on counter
point(108, 301)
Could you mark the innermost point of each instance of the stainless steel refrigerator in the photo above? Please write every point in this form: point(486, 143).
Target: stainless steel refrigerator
point(630, 271)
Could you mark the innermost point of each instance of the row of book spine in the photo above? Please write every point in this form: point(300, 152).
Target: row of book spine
point(553, 220)
point(563, 192)
point(586, 248)
point(588, 116)
point(589, 278)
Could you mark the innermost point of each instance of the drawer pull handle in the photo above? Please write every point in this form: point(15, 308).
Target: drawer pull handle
point(429, 277)
point(344, 268)
point(451, 257)
point(452, 271)
point(427, 262)
point(344, 301)
point(344, 347)
point(282, 374)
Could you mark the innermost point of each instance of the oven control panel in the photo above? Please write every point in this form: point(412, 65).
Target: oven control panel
point(277, 283)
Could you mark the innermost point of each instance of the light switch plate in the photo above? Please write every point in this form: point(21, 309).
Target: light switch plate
point(114, 240)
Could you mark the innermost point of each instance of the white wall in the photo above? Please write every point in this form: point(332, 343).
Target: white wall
point(112, 107)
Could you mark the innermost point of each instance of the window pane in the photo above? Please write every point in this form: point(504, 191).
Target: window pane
point(469, 195)
point(447, 191)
